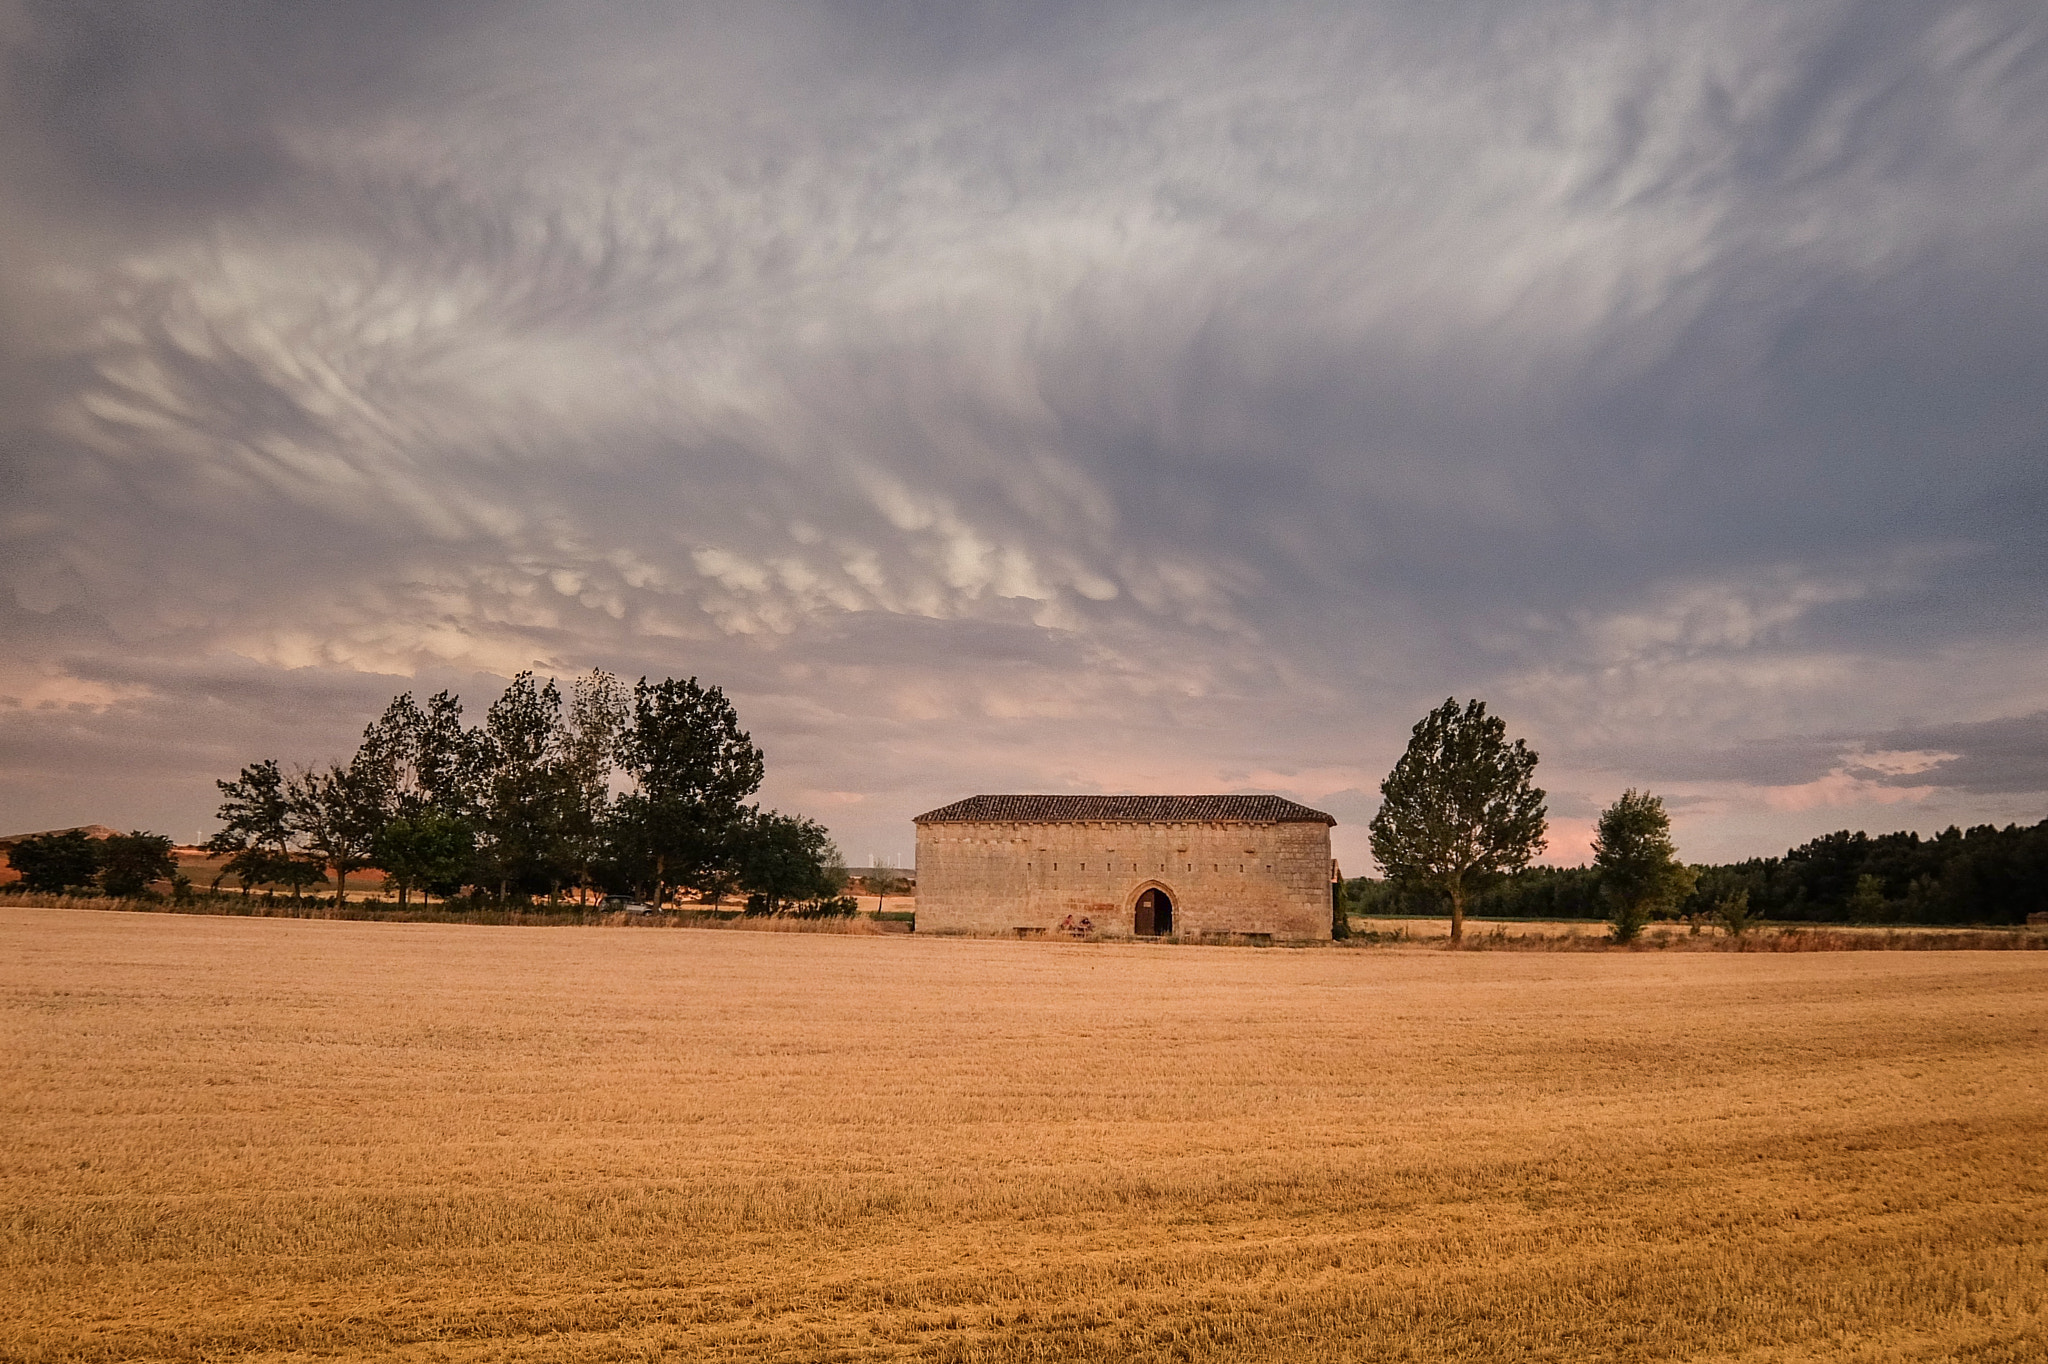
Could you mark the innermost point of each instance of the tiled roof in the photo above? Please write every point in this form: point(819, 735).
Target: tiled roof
point(1124, 809)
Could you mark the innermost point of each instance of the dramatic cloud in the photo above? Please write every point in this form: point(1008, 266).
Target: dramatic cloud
point(1039, 397)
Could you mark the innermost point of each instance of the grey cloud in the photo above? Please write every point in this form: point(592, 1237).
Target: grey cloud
point(2008, 755)
point(144, 109)
point(1040, 396)
point(1999, 757)
point(1789, 760)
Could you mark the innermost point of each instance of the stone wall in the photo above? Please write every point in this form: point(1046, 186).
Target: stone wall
point(1000, 878)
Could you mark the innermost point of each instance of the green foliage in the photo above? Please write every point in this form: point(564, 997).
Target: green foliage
point(256, 829)
point(683, 741)
point(1627, 919)
point(1983, 875)
point(1638, 867)
point(424, 759)
point(531, 785)
point(54, 863)
point(1732, 913)
point(786, 860)
point(1459, 806)
point(687, 825)
point(598, 711)
point(130, 861)
point(256, 866)
point(1365, 895)
point(1867, 904)
point(830, 907)
point(1543, 893)
point(522, 805)
point(528, 794)
point(334, 816)
point(429, 851)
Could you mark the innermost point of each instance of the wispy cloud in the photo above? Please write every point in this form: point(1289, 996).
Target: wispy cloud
point(1048, 397)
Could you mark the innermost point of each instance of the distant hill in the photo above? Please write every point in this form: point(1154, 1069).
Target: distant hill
point(89, 830)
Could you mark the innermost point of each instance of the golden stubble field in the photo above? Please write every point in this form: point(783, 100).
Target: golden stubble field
point(285, 1139)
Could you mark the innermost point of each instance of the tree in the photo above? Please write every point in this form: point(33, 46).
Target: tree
point(527, 791)
point(256, 832)
point(448, 759)
point(695, 768)
point(1459, 806)
point(428, 851)
point(130, 861)
point(425, 772)
point(1867, 904)
point(598, 710)
point(337, 814)
point(786, 859)
point(54, 863)
point(884, 882)
point(1732, 911)
point(1639, 870)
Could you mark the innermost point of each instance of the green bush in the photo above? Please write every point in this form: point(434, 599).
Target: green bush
point(54, 863)
point(1733, 913)
point(1629, 918)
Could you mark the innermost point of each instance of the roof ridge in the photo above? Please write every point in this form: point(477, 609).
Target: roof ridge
point(1242, 808)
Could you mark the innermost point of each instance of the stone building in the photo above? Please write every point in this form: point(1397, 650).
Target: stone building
point(1122, 866)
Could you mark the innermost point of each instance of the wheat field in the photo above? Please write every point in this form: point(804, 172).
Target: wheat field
point(295, 1140)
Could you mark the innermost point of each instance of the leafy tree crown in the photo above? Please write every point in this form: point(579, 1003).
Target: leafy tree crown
point(1460, 802)
point(1633, 853)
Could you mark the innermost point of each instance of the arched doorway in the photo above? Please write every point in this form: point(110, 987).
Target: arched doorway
point(1152, 917)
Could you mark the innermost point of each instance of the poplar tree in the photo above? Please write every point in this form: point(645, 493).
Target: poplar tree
point(524, 743)
point(598, 710)
point(1638, 866)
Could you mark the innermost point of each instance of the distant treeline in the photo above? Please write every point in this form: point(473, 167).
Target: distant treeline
point(1981, 875)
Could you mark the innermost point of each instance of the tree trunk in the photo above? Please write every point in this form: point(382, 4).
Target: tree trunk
point(1457, 911)
point(340, 884)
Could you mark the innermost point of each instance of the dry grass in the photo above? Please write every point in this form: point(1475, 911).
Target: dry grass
point(1536, 936)
point(279, 1139)
point(538, 914)
point(1586, 934)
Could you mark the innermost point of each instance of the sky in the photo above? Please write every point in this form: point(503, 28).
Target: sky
point(1179, 397)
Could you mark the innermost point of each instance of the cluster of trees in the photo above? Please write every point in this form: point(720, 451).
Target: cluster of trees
point(1460, 820)
point(1983, 874)
point(74, 861)
point(1461, 812)
point(609, 791)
